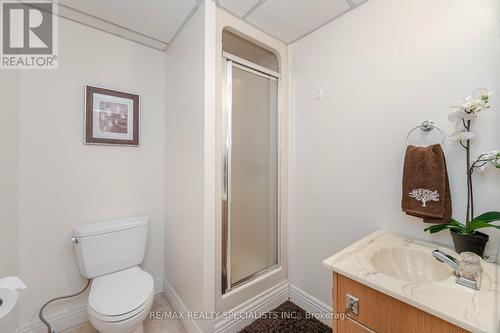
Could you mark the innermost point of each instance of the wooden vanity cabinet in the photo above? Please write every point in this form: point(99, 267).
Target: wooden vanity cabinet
point(381, 313)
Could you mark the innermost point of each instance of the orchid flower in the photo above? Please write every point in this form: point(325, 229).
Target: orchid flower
point(489, 159)
point(468, 108)
point(483, 93)
point(461, 114)
point(462, 135)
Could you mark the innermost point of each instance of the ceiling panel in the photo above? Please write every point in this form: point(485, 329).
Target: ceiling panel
point(358, 2)
point(296, 17)
point(159, 19)
point(239, 7)
point(99, 24)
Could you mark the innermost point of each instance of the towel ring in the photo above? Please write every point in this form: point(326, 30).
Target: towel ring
point(426, 126)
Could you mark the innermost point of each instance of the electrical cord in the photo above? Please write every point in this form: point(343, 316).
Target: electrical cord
point(40, 314)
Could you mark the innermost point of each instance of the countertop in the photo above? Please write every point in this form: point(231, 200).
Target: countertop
point(475, 311)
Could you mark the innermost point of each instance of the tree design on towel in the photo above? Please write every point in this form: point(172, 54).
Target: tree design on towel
point(424, 195)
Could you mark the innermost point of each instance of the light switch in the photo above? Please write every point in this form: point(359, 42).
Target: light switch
point(319, 94)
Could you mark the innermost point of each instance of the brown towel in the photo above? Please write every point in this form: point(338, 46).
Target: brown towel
point(426, 190)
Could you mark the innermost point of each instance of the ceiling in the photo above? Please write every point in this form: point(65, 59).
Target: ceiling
point(289, 20)
point(155, 23)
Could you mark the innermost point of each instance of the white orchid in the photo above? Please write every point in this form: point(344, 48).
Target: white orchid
point(482, 93)
point(481, 168)
point(494, 158)
point(468, 108)
point(488, 159)
point(468, 104)
point(471, 104)
point(462, 135)
point(460, 114)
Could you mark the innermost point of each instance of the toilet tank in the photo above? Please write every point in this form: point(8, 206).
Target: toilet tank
point(109, 246)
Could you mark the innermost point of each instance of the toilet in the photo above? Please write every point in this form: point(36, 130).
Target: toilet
point(121, 293)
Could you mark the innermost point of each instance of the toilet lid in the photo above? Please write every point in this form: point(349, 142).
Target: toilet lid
point(121, 292)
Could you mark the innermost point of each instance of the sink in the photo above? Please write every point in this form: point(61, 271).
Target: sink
point(405, 269)
point(409, 265)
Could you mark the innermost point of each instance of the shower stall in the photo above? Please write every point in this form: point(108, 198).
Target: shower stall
point(251, 166)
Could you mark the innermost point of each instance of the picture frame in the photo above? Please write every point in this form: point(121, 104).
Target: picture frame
point(111, 117)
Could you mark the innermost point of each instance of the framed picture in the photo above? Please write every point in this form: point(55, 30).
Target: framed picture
point(111, 117)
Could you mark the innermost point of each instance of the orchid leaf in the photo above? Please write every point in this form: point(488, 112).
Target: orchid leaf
point(488, 217)
point(454, 225)
point(437, 228)
point(478, 224)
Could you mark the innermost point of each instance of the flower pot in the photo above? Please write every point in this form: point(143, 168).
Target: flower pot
point(470, 243)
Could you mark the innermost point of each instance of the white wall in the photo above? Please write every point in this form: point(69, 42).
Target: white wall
point(384, 68)
point(8, 182)
point(8, 172)
point(189, 168)
point(184, 166)
point(64, 183)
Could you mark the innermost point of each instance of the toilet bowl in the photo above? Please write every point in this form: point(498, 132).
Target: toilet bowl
point(119, 302)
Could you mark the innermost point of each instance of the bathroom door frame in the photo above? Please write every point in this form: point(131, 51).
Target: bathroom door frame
point(231, 61)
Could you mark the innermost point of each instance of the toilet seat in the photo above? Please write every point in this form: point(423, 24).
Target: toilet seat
point(121, 295)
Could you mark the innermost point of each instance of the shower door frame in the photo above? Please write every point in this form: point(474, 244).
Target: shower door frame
point(231, 61)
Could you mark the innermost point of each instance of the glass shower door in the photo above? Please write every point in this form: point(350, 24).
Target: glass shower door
point(251, 218)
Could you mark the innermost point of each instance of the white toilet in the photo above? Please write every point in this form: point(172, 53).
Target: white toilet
point(121, 294)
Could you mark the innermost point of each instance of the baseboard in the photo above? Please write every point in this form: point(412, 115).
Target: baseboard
point(59, 322)
point(189, 324)
point(264, 302)
point(69, 317)
point(159, 288)
point(318, 309)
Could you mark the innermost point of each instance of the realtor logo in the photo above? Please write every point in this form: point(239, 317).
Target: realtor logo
point(29, 39)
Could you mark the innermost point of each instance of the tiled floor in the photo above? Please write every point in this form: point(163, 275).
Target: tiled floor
point(150, 326)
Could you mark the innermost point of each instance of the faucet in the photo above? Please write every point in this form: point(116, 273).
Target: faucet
point(447, 259)
point(455, 264)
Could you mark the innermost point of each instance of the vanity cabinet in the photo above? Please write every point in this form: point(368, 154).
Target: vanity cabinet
point(378, 312)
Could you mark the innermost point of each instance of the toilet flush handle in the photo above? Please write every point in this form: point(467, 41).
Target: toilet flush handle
point(74, 240)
